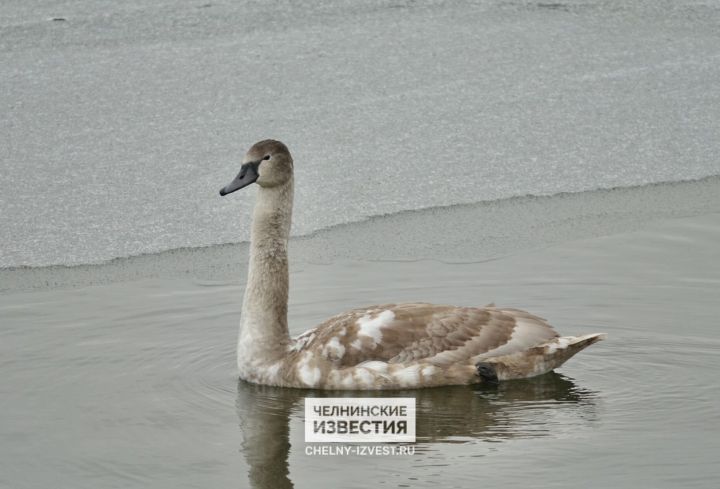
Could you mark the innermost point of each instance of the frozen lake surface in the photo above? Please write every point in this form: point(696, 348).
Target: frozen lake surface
point(119, 124)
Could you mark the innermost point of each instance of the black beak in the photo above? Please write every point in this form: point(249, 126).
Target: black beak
point(248, 174)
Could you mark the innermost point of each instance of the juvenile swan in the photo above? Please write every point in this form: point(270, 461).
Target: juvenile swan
point(389, 346)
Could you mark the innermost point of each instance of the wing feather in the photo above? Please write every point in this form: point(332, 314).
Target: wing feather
point(437, 334)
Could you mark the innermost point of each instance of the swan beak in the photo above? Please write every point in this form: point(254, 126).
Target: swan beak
point(248, 174)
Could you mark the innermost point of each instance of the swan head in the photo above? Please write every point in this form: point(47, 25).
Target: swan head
point(268, 163)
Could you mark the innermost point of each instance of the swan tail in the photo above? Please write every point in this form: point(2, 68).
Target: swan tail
point(542, 358)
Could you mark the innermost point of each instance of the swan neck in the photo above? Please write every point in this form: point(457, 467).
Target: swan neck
point(264, 328)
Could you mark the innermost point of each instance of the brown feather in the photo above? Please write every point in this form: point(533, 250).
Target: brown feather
point(436, 334)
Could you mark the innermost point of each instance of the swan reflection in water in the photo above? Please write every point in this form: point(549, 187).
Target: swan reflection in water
point(549, 405)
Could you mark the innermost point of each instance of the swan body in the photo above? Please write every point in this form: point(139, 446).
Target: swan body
point(391, 346)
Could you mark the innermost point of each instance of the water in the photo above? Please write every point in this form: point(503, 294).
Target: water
point(119, 125)
point(132, 384)
point(418, 129)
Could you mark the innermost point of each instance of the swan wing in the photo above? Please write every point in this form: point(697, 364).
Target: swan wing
point(437, 334)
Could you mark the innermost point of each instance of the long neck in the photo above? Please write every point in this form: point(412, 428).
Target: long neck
point(263, 327)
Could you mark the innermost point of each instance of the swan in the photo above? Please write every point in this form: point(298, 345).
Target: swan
point(389, 346)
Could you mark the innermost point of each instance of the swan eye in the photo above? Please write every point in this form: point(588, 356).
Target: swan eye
point(267, 157)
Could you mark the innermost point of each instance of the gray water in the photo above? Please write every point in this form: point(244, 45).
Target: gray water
point(459, 153)
point(133, 384)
